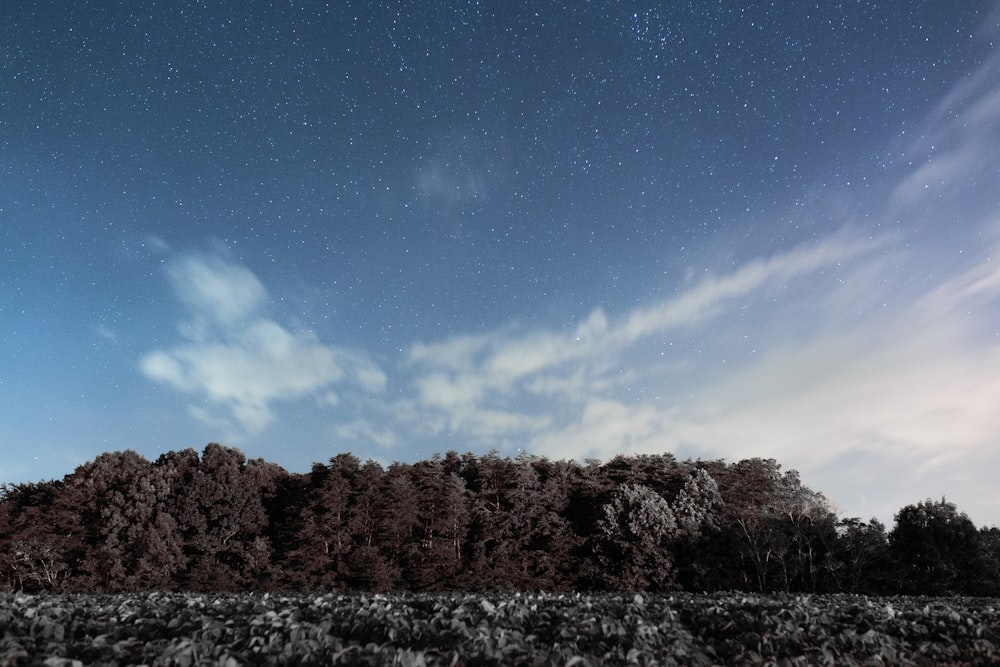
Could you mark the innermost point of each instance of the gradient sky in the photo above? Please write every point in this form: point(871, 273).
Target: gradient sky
point(718, 229)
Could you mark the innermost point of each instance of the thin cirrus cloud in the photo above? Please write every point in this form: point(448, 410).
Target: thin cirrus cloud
point(870, 362)
point(578, 374)
point(956, 147)
point(239, 360)
point(871, 373)
point(472, 378)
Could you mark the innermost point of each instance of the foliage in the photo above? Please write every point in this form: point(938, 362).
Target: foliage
point(934, 547)
point(862, 546)
point(216, 521)
point(636, 527)
point(499, 629)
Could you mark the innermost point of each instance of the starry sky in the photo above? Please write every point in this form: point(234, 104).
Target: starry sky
point(720, 229)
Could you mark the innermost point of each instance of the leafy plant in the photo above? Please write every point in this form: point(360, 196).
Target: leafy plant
point(513, 629)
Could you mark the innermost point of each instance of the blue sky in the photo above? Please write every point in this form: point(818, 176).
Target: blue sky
point(577, 230)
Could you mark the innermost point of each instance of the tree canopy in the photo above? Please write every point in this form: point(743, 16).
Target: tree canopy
point(216, 521)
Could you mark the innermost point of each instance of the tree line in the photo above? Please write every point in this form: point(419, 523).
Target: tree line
point(217, 521)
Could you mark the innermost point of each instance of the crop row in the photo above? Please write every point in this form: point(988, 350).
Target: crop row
point(515, 629)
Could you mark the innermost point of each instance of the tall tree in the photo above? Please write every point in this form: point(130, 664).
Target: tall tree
point(553, 541)
point(125, 506)
point(783, 529)
point(322, 541)
point(42, 544)
point(986, 579)
point(220, 509)
point(635, 530)
point(934, 548)
point(861, 548)
point(443, 520)
point(492, 556)
point(698, 504)
point(398, 524)
point(369, 567)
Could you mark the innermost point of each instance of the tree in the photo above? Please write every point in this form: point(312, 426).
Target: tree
point(321, 540)
point(861, 547)
point(442, 523)
point(492, 558)
point(698, 504)
point(783, 529)
point(987, 578)
point(124, 501)
point(934, 548)
point(41, 543)
point(811, 526)
point(698, 508)
point(635, 529)
point(518, 539)
point(546, 541)
point(369, 568)
point(397, 524)
point(220, 509)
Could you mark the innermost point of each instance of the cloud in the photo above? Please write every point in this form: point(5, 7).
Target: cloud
point(106, 333)
point(240, 361)
point(956, 146)
point(363, 430)
point(216, 290)
point(156, 244)
point(813, 356)
point(705, 299)
point(442, 181)
point(868, 360)
point(459, 373)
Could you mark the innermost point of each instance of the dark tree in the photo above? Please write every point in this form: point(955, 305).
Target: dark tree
point(398, 524)
point(217, 521)
point(986, 579)
point(442, 524)
point(518, 539)
point(862, 549)
point(41, 539)
point(369, 568)
point(934, 548)
point(782, 530)
point(322, 541)
point(221, 514)
point(125, 505)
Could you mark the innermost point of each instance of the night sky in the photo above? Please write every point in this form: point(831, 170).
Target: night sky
point(577, 229)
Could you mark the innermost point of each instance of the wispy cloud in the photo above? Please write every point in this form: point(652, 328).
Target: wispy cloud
point(365, 431)
point(869, 361)
point(481, 381)
point(841, 369)
point(955, 150)
point(239, 360)
point(106, 333)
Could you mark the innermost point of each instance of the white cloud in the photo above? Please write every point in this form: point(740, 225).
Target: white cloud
point(846, 365)
point(464, 374)
point(216, 290)
point(605, 427)
point(363, 430)
point(870, 363)
point(707, 298)
point(240, 361)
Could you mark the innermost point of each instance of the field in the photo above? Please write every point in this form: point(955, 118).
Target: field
point(500, 629)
